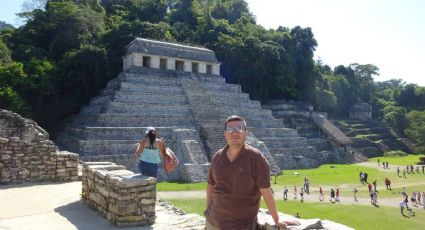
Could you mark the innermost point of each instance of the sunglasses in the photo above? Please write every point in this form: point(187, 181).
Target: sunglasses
point(238, 129)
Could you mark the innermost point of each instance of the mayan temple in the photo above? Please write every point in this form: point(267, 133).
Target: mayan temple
point(178, 89)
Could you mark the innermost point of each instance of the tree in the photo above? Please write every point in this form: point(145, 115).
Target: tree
point(416, 127)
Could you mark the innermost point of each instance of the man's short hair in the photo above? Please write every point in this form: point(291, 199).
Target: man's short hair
point(235, 118)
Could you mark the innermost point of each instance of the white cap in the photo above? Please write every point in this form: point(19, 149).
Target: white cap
point(150, 128)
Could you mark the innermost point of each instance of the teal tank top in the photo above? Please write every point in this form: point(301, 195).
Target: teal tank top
point(150, 156)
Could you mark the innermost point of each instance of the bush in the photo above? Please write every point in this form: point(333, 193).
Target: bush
point(420, 150)
point(395, 153)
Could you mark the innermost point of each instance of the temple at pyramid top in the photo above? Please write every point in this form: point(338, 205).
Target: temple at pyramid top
point(170, 56)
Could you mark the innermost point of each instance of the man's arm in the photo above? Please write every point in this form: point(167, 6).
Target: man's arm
point(209, 193)
point(269, 199)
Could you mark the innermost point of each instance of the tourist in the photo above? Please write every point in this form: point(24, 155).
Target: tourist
point(302, 195)
point(374, 198)
point(337, 195)
point(423, 199)
point(369, 186)
point(285, 193)
point(413, 199)
point(374, 185)
point(149, 152)
point(238, 177)
point(388, 183)
point(398, 171)
point(295, 192)
point(361, 176)
point(355, 194)
point(404, 174)
point(365, 177)
point(320, 194)
point(378, 162)
point(332, 198)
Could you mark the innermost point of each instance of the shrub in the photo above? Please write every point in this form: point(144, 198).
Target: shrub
point(420, 150)
point(395, 153)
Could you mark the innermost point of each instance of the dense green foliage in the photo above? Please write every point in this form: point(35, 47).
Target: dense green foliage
point(67, 50)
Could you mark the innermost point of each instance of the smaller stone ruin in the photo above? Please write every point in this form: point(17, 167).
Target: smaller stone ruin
point(27, 154)
point(122, 197)
point(361, 111)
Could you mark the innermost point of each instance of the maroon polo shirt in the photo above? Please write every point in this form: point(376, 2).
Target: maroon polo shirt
point(236, 195)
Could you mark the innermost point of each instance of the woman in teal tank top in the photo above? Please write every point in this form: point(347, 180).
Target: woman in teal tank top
point(150, 152)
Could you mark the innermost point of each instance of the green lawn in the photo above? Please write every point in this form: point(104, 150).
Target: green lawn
point(180, 186)
point(343, 176)
point(396, 160)
point(356, 216)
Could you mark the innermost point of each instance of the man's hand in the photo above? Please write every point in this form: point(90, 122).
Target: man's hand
point(288, 223)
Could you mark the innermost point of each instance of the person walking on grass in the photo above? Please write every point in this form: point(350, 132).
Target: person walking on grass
point(337, 195)
point(285, 193)
point(238, 177)
point(355, 194)
point(423, 199)
point(302, 195)
point(398, 171)
point(320, 194)
point(332, 196)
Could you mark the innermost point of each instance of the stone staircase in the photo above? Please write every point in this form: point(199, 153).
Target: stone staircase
point(188, 110)
point(112, 124)
point(297, 116)
point(280, 145)
point(372, 138)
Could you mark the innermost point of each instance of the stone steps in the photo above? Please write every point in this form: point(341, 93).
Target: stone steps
point(321, 144)
point(134, 87)
point(130, 120)
point(308, 151)
point(150, 80)
point(273, 142)
point(98, 147)
point(116, 133)
point(222, 87)
point(243, 104)
point(146, 109)
point(138, 97)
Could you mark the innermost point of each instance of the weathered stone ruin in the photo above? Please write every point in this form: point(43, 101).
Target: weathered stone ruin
point(178, 90)
point(119, 195)
point(331, 144)
point(27, 154)
point(361, 111)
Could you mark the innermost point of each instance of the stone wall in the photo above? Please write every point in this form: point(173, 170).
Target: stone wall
point(122, 197)
point(26, 153)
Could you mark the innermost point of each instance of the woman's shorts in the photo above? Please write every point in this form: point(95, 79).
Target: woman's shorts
point(148, 169)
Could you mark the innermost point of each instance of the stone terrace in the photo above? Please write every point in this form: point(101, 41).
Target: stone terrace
point(188, 109)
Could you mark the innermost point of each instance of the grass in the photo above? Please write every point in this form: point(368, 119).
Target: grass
point(365, 136)
point(342, 176)
point(355, 216)
point(398, 160)
point(180, 186)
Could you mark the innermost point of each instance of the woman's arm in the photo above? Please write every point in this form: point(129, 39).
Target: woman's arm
point(140, 147)
point(162, 148)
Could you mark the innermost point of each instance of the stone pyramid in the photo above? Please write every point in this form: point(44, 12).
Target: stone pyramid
point(178, 90)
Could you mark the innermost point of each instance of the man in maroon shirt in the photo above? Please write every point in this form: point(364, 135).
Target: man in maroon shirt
point(239, 175)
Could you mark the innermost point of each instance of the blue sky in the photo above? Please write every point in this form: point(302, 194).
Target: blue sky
point(387, 33)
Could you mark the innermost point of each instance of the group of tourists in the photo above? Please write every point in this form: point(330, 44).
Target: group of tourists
point(417, 199)
point(410, 169)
